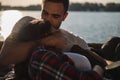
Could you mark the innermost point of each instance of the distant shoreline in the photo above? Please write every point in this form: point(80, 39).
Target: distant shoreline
point(98, 7)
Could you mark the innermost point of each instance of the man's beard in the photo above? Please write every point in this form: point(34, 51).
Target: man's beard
point(55, 28)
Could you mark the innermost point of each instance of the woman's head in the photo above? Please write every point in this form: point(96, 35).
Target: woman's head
point(36, 29)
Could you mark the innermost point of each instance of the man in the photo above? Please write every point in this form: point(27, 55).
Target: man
point(54, 11)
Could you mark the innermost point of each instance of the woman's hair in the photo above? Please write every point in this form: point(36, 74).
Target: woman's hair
point(36, 29)
point(64, 2)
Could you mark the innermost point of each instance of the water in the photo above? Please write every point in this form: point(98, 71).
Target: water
point(93, 27)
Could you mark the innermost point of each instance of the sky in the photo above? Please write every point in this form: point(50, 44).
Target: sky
point(34, 2)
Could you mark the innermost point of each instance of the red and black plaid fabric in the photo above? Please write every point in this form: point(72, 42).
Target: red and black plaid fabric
point(48, 65)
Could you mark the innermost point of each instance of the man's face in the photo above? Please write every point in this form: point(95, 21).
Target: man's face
point(54, 13)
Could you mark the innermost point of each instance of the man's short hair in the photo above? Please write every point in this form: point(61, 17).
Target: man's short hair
point(65, 3)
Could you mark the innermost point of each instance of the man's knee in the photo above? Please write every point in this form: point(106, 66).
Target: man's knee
point(81, 62)
point(110, 48)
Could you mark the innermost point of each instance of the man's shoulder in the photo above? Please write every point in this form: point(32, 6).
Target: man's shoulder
point(70, 34)
point(77, 40)
point(67, 32)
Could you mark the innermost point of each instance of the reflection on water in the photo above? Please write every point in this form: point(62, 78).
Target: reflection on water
point(8, 19)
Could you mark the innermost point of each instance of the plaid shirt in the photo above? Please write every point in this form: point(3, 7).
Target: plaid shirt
point(48, 65)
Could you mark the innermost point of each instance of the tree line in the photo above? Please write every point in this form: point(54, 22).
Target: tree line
point(0, 6)
point(94, 7)
point(113, 7)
